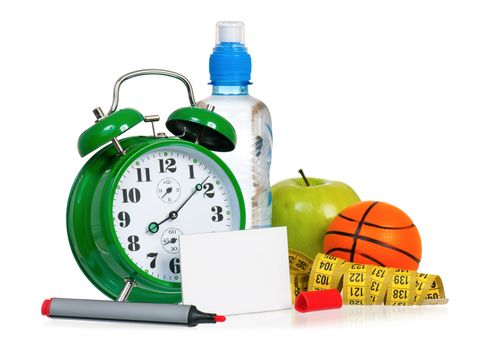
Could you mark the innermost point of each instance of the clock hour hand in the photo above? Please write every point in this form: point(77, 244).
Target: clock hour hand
point(168, 191)
point(154, 226)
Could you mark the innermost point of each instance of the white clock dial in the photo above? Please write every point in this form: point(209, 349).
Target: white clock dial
point(165, 193)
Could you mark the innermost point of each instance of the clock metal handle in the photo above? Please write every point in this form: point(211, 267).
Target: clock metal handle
point(137, 73)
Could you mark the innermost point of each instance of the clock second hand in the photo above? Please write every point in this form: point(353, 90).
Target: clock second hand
point(153, 227)
point(172, 240)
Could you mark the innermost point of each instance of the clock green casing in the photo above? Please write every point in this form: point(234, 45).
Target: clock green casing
point(90, 227)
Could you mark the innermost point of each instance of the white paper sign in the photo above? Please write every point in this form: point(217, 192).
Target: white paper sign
point(236, 272)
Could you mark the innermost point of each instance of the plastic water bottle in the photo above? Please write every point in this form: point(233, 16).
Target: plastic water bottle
point(230, 69)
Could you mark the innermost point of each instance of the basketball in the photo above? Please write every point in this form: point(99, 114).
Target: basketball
point(374, 233)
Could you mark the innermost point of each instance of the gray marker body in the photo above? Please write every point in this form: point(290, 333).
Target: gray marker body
point(119, 311)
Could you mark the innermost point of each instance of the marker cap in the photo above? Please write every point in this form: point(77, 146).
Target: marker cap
point(45, 310)
point(318, 300)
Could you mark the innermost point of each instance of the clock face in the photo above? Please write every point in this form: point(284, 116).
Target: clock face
point(168, 192)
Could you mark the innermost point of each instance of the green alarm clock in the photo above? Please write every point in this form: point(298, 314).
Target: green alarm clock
point(133, 199)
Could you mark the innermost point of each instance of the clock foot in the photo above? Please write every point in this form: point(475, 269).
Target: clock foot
point(126, 290)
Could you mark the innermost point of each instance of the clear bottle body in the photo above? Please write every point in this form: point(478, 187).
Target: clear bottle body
point(251, 159)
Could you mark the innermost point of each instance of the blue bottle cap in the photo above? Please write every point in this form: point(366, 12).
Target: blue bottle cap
point(230, 63)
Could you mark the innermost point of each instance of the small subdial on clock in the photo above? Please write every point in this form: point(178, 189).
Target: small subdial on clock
point(169, 190)
point(170, 240)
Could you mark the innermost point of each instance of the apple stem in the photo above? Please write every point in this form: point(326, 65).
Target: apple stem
point(303, 177)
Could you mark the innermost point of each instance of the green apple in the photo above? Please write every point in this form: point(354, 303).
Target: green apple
point(307, 206)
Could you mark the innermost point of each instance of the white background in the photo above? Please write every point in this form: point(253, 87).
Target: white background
point(383, 95)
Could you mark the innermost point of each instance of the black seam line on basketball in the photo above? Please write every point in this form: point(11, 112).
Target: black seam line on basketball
point(378, 226)
point(361, 254)
point(340, 233)
point(375, 241)
point(358, 230)
point(389, 227)
point(347, 218)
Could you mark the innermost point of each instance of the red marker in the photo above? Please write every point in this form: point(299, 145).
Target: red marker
point(126, 311)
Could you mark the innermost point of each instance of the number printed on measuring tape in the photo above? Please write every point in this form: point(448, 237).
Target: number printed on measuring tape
point(326, 272)
point(299, 283)
point(380, 279)
point(402, 289)
point(357, 279)
point(299, 262)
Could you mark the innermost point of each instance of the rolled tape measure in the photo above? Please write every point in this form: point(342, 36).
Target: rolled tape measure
point(364, 284)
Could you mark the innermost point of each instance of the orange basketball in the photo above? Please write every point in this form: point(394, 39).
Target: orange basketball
point(374, 233)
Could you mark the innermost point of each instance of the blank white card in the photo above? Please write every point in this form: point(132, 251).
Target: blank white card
point(236, 272)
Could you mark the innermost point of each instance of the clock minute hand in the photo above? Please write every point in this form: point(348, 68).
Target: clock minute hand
point(198, 188)
point(154, 226)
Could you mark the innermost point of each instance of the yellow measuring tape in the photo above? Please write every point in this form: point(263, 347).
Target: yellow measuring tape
point(364, 284)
